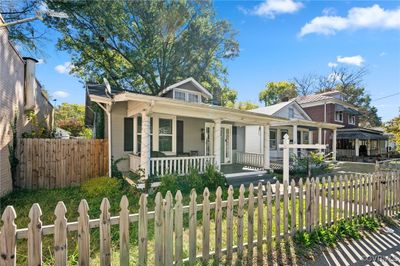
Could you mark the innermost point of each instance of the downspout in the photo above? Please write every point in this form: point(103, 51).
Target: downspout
point(108, 112)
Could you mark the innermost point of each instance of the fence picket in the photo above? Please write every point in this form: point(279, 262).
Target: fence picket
point(341, 197)
point(178, 228)
point(124, 231)
point(229, 225)
point(351, 195)
point(346, 197)
point(192, 226)
point(60, 235)
point(316, 202)
point(335, 198)
point(218, 224)
point(158, 230)
point(143, 230)
point(168, 229)
point(206, 225)
point(277, 214)
point(323, 202)
point(301, 206)
point(8, 244)
point(240, 213)
point(308, 205)
point(250, 223)
point(105, 234)
point(35, 236)
point(285, 209)
point(293, 205)
point(329, 203)
point(269, 217)
point(260, 218)
point(83, 234)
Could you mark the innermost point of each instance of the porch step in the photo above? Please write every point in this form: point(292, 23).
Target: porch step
point(249, 177)
point(246, 174)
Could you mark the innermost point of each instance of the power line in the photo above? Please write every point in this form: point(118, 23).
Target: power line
point(384, 97)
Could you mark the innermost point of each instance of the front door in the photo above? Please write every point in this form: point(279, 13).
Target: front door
point(226, 142)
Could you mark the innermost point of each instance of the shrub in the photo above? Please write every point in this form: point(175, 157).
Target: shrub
point(101, 187)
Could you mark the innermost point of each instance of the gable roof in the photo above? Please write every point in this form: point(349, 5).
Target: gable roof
point(197, 85)
point(273, 109)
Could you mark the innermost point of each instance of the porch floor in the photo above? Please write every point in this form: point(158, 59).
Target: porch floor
point(236, 168)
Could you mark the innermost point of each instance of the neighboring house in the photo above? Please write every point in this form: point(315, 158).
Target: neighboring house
point(60, 133)
point(179, 129)
point(352, 141)
point(19, 92)
point(300, 128)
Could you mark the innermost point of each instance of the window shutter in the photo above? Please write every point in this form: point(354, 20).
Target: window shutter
point(128, 134)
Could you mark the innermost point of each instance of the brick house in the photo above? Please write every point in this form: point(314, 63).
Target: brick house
point(352, 141)
point(19, 92)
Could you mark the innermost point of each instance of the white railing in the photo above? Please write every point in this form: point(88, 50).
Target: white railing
point(179, 165)
point(250, 159)
point(134, 162)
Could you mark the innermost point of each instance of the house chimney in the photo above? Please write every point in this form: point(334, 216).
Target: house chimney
point(30, 83)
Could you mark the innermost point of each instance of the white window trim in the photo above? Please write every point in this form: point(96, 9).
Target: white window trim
point(156, 134)
point(276, 139)
point(351, 118)
point(187, 92)
point(291, 109)
point(336, 120)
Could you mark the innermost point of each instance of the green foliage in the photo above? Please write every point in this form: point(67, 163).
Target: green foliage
point(211, 178)
point(12, 147)
point(276, 92)
point(228, 97)
point(115, 172)
point(329, 236)
point(246, 105)
point(38, 129)
point(145, 45)
point(71, 117)
point(102, 187)
point(393, 127)
point(99, 122)
point(314, 160)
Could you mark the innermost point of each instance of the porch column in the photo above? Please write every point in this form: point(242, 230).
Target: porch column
point(295, 138)
point(217, 144)
point(266, 147)
point(357, 147)
point(319, 137)
point(145, 153)
point(334, 145)
point(310, 137)
point(135, 129)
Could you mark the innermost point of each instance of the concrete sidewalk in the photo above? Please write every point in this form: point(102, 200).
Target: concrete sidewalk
point(373, 249)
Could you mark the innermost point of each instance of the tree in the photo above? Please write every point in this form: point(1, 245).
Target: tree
point(145, 46)
point(342, 77)
point(246, 105)
point(228, 96)
point(276, 92)
point(306, 84)
point(393, 127)
point(25, 34)
point(71, 117)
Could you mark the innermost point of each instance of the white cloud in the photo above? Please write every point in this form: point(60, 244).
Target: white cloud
point(40, 61)
point(271, 8)
point(373, 17)
point(357, 60)
point(330, 64)
point(329, 11)
point(64, 68)
point(60, 94)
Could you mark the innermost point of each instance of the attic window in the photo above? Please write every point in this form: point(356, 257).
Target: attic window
point(291, 113)
point(187, 96)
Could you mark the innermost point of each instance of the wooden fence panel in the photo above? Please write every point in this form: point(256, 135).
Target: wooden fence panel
point(55, 163)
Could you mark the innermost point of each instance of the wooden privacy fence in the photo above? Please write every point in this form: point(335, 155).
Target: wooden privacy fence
point(58, 163)
point(263, 218)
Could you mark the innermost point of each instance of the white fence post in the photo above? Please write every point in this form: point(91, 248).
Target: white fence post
point(286, 158)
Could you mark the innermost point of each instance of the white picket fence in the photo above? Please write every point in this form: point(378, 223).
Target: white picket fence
point(179, 165)
point(305, 206)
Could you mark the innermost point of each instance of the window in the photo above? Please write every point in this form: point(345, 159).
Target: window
point(234, 138)
point(306, 134)
point(291, 113)
point(272, 139)
point(165, 135)
point(187, 96)
point(180, 95)
point(139, 133)
point(352, 119)
point(128, 134)
point(339, 116)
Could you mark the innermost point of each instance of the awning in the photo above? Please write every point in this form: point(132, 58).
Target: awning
point(360, 135)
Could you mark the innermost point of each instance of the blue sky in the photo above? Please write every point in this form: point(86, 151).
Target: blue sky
point(281, 39)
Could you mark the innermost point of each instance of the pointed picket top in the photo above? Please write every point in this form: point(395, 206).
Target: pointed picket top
point(83, 208)
point(8, 214)
point(193, 195)
point(242, 189)
point(317, 180)
point(307, 181)
point(168, 201)
point(35, 212)
point(218, 192)
point(158, 200)
point(323, 180)
point(329, 179)
point(259, 188)
point(293, 183)
point(7, 237)
point(230, 192)
point(251, 189)
point(60, 210)
point(124, 203)
point(206, 193)
point(301, 182)
point(105, 206)
point(178, 197)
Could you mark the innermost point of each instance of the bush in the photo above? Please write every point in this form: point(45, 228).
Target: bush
point(314, 160)
point(101, 187)
point(211, 179)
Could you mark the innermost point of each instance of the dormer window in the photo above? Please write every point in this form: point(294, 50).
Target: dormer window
point(352, 119)
point(187, 96)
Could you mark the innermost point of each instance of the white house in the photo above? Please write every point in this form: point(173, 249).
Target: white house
point(299, 127)
point(180, 129)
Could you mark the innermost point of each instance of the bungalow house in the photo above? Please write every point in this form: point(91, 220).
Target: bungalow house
point(299, 126)
point(353, 142)
point(179, 129)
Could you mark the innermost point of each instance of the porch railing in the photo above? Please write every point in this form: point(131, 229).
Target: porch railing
point(250, 159)
point(179, 165)
point(345, 153)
